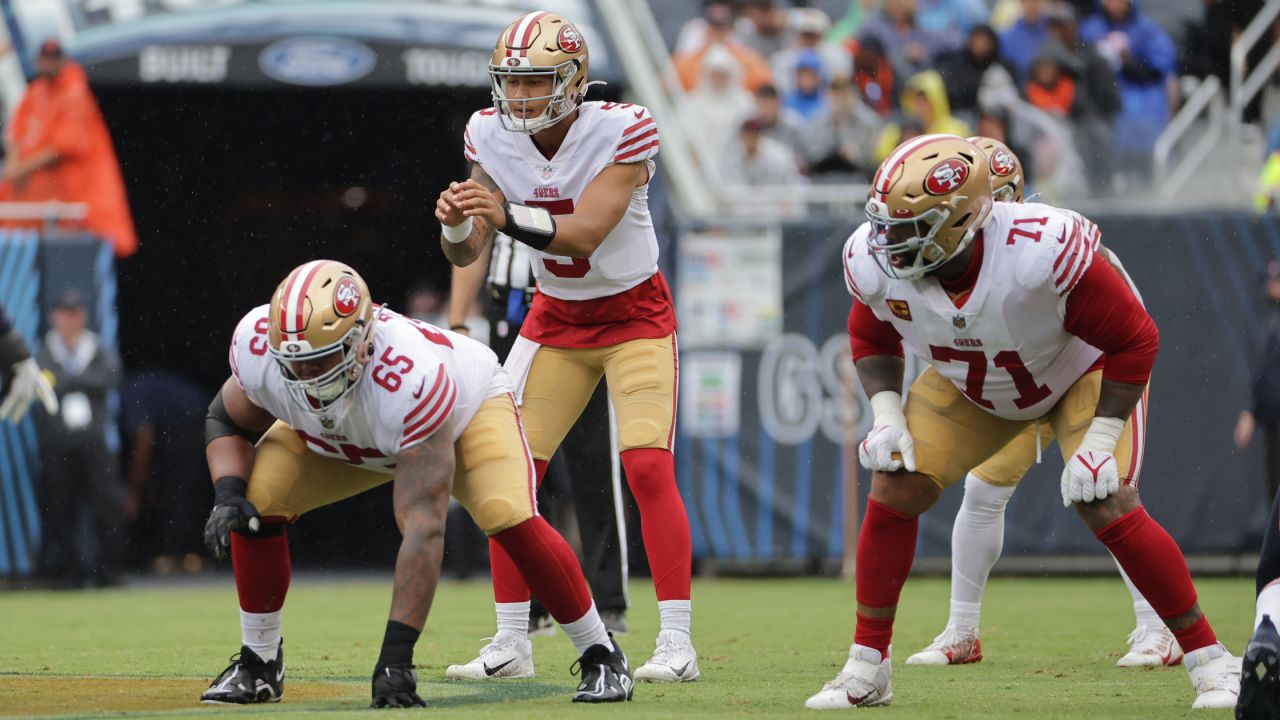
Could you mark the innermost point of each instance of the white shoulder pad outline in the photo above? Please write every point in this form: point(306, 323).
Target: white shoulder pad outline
point(862, 277)
point(638, 138)
point(477, 123)
point(424, 396)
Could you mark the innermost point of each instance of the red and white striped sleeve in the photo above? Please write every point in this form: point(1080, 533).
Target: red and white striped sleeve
point(468, 146)
point(432, 409)
point(639, 141)
point(1077, 245)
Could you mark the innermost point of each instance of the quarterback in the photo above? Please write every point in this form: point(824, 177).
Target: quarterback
point(978, 532)
point(1022, 321)
point(341, 395)
point(570, 179)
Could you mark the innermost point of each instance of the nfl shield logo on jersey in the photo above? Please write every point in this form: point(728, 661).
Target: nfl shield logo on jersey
point(958, 321)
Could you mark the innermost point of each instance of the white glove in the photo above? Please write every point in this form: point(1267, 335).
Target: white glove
point(888, 436)
point(1091, 473)
point(28, 384)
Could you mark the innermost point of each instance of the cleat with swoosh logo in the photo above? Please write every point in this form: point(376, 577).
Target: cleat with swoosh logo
point(248, 680)
point(674, 660)
point(1151, 647)
point(866, 680)
point(505, 658)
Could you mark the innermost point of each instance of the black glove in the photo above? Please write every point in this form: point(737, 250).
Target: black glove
point(231, 511)
point(395, 686)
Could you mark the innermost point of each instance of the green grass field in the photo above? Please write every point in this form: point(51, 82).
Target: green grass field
point(764, 646)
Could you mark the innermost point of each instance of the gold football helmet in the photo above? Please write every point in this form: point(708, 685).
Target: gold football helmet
point(319, 331)
point(539, 44)
point(928, 200)
point(1007, 179)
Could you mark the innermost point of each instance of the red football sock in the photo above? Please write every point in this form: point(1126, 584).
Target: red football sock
point(548, 565)
point(262, 566)
point(651, 474)
point(886, 549)
point(1156, 566)
point(508, 584)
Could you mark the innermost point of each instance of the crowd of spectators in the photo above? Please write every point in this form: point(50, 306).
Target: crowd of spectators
point(1081, 89)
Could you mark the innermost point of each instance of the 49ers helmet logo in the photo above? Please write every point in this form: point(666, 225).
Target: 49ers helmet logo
point(1002, 163)
point(569, 39)
point(346, 297)
point(946, 177)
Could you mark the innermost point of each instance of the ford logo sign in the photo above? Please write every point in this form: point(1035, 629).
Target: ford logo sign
point(317, 61)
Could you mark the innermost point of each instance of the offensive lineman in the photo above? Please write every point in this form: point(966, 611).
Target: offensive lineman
point(1021, 320)
point(978, 532)
point(570, 179)
point(347, 396)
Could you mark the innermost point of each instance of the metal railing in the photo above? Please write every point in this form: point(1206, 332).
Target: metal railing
point(1243, 89)
point(1206, 100)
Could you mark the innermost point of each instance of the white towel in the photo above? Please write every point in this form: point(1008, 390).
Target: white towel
point(519, 360)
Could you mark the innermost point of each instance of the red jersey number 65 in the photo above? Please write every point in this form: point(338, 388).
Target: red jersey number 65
point(575, 268)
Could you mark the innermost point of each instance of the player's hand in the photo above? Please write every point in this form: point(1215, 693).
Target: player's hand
point(475, 200)
point(446, 211)
point(396, 687)
point(1091, 473)
point(1244, 429)
point(27, 385)
point(232, 511)
point(888, 437)
point(1089, 476)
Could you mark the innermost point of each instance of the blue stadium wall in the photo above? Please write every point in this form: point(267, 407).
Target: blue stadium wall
point(774, 494)
point(32, 273)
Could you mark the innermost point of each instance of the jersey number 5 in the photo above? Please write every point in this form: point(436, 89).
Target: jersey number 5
point(576, 267)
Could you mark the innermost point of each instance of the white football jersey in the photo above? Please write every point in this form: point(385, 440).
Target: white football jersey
point(1006, 349)
point(421, 380)
point(603, 134)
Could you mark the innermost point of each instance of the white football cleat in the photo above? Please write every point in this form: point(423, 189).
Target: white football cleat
point(1215, 674)
point(1151, 647)
point(865, 681)
point(674, 660)
point(952, 647)
point(502, 659)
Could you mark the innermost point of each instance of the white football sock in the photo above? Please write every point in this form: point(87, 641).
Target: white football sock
point(587, 630)
point(1269, 604)
point(976, 540)
point(1143, 613)
point(260, 632)
point(675, 615)
point(513, 620)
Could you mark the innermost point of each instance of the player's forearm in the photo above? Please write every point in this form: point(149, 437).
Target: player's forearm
point(229, 455)
point(418, 568)
point(879, 373)
point(462, 291)
point(577, 237)
point(1118, 399)
point(468, 251)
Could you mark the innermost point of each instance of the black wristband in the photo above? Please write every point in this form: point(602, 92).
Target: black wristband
point(397, 645)
point(229, 487)
point(459, 326)
point(533, 226)
point(13, 349)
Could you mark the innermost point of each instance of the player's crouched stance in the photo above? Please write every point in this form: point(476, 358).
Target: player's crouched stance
point(342, 396)
point(1020, 321)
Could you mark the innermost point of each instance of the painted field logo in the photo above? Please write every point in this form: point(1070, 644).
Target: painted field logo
point(946, 176)
point(346, 297)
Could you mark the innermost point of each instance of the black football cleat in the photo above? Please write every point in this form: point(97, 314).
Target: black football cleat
point(248, 680)
point(606, 677)
point(1260, 675)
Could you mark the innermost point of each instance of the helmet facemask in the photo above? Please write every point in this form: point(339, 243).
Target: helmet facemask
point(342, 364)
point(912, 239)
point(560, 102)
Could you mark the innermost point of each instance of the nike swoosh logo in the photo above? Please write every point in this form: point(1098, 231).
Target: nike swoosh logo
point(491, 671)
point(856, 700)
point(680, 672)
point(421, 385)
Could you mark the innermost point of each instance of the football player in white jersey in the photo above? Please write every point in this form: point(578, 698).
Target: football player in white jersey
point(977, 535)
point(570, 179)
point(341, 396)
point(1021, 321)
